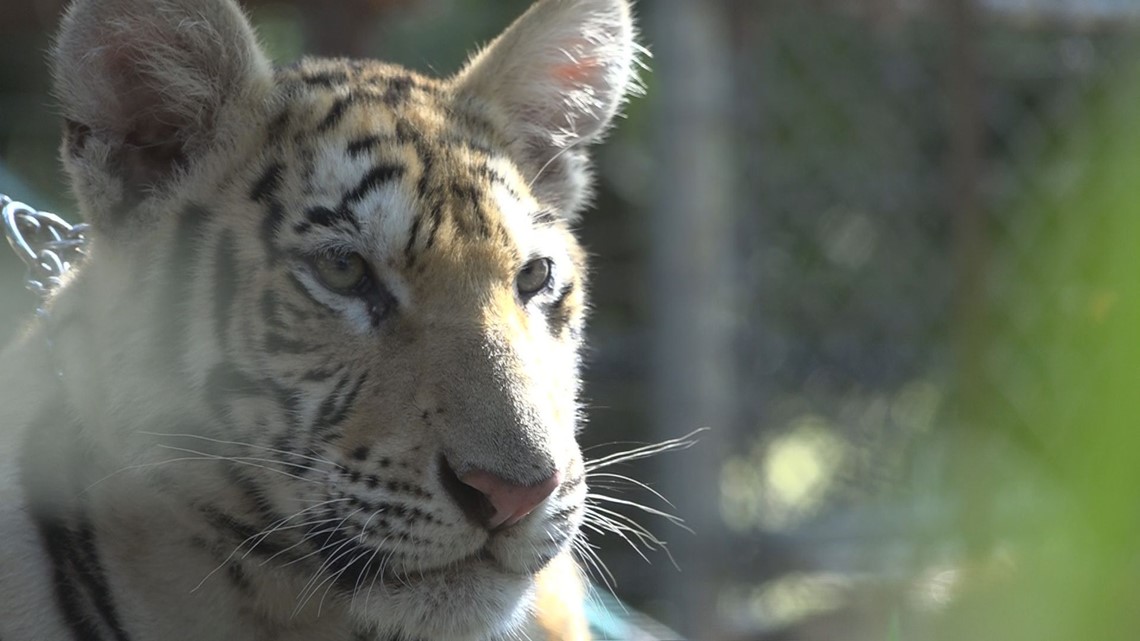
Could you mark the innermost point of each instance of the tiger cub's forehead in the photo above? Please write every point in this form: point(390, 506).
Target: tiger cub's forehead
point(395, 166)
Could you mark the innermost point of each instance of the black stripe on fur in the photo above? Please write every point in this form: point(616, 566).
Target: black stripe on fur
point(77, 615)
point(557, 315)
point(173, 319)
point(325, 217)
point(264, 192)
point(53, 478)
point(376, 177)
point(225, 287)
point(94, 578)
point(328, 419)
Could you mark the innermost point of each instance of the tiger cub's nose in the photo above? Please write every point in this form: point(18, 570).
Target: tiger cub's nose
point(511, 502)
point(492, 501)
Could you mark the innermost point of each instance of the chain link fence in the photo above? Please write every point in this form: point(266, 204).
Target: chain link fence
point(895, 165)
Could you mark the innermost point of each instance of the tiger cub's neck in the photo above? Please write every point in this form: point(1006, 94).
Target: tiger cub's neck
point(129, 548)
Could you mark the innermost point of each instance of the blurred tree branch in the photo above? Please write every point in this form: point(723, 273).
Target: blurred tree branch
point(347, 30)
point(342, 29)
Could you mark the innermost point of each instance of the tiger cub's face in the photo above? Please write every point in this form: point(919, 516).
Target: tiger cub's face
point(359, 282)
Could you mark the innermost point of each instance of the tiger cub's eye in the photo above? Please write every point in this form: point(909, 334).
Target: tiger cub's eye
point(344, 273)
point(534, 277)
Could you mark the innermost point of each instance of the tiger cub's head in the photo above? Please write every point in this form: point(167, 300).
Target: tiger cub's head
point(352, 286)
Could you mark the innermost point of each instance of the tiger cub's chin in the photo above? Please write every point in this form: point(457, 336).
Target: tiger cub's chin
point(483, 602)
point(476, 600)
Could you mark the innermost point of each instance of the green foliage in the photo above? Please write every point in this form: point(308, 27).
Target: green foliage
point(1064, 374)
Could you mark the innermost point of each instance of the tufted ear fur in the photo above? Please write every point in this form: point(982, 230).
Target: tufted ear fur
point(561, 73)
point(147, 88)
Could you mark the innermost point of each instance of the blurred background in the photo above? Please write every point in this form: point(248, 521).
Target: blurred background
point(884, 249)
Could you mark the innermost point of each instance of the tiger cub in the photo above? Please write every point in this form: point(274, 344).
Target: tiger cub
point(317, 378)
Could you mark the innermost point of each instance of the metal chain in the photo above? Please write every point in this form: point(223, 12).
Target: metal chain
point(49, 245)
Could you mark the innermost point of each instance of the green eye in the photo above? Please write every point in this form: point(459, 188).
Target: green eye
point(533, 278)
point(344, 274)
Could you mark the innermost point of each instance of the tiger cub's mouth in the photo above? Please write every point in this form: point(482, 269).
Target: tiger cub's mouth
point(481, 559)
point(361, 573)
point(361, 558)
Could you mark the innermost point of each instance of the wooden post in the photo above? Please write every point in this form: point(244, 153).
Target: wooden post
point(970, 268)
point(692, 267)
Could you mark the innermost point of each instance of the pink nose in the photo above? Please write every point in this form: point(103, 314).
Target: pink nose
point(512, 502)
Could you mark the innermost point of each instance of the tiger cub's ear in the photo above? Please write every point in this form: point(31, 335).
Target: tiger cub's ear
point(560, 74)
point(147, 87)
